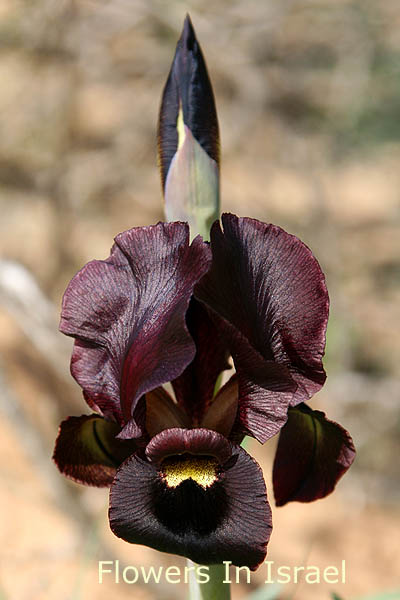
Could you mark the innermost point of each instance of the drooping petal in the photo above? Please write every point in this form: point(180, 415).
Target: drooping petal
point(87, 451)
point(312, 455)
point(228, 519)
point(194, 389)
point(127, 314)
point(96, 374)
point(269, 293)
point(188, 89)
point(265, 390)
point(200, 441)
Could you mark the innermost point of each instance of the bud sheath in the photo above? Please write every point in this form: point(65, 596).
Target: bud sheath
point(188, 139)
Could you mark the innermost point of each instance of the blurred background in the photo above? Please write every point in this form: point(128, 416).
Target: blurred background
point(308, 97)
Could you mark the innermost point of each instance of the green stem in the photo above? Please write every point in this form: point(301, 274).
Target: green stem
point(214, 589)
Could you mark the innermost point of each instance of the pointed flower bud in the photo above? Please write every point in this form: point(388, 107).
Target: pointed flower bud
point(188, 139)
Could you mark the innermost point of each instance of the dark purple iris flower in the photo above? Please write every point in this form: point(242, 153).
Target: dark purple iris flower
point(161, 309)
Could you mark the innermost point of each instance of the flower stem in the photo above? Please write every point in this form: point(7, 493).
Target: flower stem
point(213, 589)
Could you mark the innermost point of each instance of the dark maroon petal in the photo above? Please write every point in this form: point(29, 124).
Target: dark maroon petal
point(135, 428)
point(87, 451)
point(194, 389)
point(271, 297)
point(227, 521)
point(163, 413)
point(312, 455)
point(93, 369)
point(188, 87)
point(223, 411)
point(128, 315)
point(201, 441)
point(265, 390)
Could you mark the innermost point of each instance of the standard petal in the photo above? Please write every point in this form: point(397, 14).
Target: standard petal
point(270, 296)
point(188, 89)
point(228, 520)
point(127, 314)
point(194, 389)
point(87, 451)
point(265, 390)
point(312, 455)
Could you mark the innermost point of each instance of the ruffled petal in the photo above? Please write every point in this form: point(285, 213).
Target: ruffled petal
point(87, 451)
point(229, 519)
point(127, 314)
point(269, 294)
point(194, 389)
point(312, 455)
point(200, 441)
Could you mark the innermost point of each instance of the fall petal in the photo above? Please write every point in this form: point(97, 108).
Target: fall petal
point(312, 455)
point(227, 520)
point(177, 441)
point(87, 452)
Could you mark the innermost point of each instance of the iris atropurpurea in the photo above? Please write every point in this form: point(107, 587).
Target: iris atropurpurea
point(161, 309)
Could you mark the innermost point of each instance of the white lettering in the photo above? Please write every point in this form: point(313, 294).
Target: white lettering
point(297, 570)
point(102, 570)
point(269, 564)
point(187, 571)
point(176, 573)
point(151, 574)
point(202, 577)
point(283, 574)
point(125, 575)
point(247, 571)
point(312, 575)
point(227, 563)
point(331, 572)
